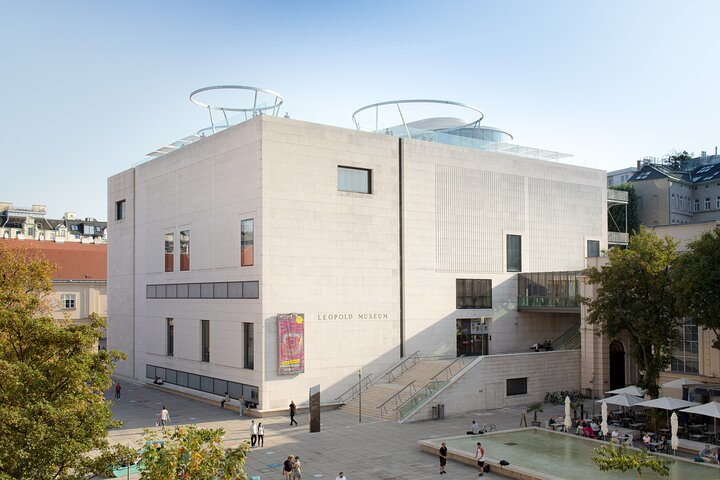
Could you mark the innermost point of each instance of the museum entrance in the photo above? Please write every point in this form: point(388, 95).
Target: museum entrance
point(472, 336)
point(617, 365)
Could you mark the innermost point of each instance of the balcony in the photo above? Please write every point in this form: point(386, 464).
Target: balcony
point(556, 292)
point(618, 238)
point(617, 196)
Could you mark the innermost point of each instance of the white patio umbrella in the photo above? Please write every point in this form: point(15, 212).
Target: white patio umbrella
point(674, 441)
point(604, 424)
point(666, 403)
point(710, 409)
point(680, 382)
point(622, 400)
point(568, 420)
point(631, 390)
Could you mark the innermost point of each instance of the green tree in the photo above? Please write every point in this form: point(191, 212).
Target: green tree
point(676, 159)
point(635, 297)
point(192, 453)
point(52, 378)
point(697, 278)
point(621, 458)
point(616, 213)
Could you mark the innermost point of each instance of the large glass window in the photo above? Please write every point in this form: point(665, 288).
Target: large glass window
point(185, 250)
point(516, 386)
point(473, 293)
point(170, 327)
point(593, 248)
point(249, 334)
point(120, 210)
point(247, 240)
point(205, 327)
point(686, 359)
point(169, 251)
point(352, 179)
point(514, 253)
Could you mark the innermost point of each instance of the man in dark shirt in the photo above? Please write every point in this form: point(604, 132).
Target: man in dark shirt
point(443, 457)
point(293, 409)
point(287, 467)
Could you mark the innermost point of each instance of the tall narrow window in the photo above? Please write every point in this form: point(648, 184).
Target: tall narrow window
point(169, 251)
point(707, 203)
point(249, 334)
point(593, 248)
point(354, 180)
point(514, 253)
point(120, 210)
point(696, 205)
point(185, 250)
point(170, 327)
point(205, 327)
point(247, 240)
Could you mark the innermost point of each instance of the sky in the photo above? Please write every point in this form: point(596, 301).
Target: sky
point(89, 88)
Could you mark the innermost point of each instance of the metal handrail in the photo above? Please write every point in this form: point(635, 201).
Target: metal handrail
point(460, 359)
point(415, 356)
point(354, 389)
point(415, 396)
point(396, 397)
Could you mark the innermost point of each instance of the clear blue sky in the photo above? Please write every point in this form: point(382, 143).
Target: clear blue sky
point(88, 88)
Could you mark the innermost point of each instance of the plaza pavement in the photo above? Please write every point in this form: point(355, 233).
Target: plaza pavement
point(378, 450)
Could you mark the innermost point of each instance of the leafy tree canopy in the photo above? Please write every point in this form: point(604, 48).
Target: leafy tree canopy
point(616, 213)
point(635, 297)
point(192, 453)
point(697, 278)
point(621, 458)
point(52, 378)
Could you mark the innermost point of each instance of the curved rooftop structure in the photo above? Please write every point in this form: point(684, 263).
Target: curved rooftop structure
point(461, 124)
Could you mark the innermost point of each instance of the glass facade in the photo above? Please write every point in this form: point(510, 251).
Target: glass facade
point(352, 179)
point(207, 384)
point(247, 240)
point(473, 293)
point(216, 290)
point(687, 358)
point(549, 290)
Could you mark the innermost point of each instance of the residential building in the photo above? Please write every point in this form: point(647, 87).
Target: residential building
point(277, 254)
point(79, 279)
point(618, 177)
point(30, 223)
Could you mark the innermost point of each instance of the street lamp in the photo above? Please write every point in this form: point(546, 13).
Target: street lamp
point(360, 395)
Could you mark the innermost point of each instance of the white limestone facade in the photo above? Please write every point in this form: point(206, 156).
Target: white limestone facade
point(374, 274)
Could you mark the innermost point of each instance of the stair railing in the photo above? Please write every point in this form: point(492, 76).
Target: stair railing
point(395, 399)
point(560, 342)
point(354, 391)
point(403, 366)
point(447, 372)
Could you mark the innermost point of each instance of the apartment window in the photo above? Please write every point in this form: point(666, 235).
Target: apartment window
point(169, 252)
point(516, 386)
point(707, 203)
point(717, 202)
point(68, 301)
point(170, 330)
point(686, 358)
point(185, 250)
point(354, 180)
point(514, 253)
point(593, 248)
point(696, 205)
point(120, 210)
point(247, 240)
point(205, 327)
point(249, 334)
point(473, 293)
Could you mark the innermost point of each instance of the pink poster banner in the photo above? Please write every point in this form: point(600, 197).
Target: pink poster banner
point(291, 343)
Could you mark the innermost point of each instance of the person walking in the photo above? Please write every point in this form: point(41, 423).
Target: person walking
point(261, 435)
point(297, 468)
point(288, 467)
point(242, 405)
point(253, 433)
point(442, 453)
point(341, 476)
point(164, 417)
point(480, 457)
point(118, 389)
point(224, 400)
point(293, 411)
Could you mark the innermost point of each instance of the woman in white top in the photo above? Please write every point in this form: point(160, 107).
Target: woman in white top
point(164, 416)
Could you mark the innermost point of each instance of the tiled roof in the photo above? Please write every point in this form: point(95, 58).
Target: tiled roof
point(74, 261)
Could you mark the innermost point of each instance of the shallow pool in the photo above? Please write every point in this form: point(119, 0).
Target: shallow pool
point(562, 456)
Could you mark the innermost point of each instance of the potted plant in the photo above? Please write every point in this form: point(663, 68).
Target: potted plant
point(534, 408)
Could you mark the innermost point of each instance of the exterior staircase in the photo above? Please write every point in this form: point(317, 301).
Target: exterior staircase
point(380, 400)
point(570, 340)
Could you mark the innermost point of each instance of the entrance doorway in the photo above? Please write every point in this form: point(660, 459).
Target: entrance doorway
point(617, 365)
point(472, 336)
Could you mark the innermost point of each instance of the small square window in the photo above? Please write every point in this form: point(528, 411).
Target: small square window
point(356, 180)
point(68, 301)
point(516, 386)
point(593, 248)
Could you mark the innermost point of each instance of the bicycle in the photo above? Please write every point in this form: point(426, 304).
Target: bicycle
point(488, 427)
